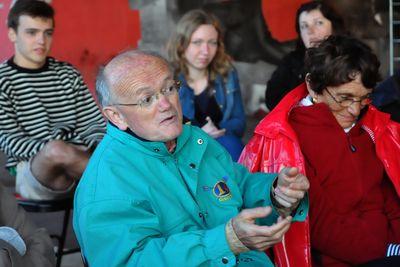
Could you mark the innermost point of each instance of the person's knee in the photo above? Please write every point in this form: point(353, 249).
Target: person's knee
point(56, 151)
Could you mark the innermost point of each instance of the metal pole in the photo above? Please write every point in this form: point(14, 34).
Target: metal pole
point(391, 40)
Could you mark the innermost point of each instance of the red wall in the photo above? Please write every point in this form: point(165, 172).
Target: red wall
point(87, 33)
point(6, 48)
point(280, 17)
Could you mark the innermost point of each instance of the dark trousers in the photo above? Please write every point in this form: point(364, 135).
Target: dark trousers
point(384, 262)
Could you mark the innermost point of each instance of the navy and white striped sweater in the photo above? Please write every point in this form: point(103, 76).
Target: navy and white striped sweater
point(50, 103)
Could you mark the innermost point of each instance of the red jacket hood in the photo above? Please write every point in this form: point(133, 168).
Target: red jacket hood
point(277, 120)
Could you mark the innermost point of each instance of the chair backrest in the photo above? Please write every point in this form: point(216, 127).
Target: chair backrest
point(44, 205)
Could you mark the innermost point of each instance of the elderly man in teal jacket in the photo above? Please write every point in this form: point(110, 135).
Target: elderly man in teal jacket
point(160, 193)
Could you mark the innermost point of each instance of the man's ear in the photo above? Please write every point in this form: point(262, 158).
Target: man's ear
point(12, 35)
point(115, 116)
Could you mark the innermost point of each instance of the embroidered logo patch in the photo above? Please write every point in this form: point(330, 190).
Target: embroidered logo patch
point(221, 190)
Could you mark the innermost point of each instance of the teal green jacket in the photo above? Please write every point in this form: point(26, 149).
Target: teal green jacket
point(139, 205)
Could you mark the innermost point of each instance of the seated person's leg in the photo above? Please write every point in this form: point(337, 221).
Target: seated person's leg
point(31, 188)
point(52, 172)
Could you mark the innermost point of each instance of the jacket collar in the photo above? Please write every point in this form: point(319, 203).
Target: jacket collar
point(277, 120)
point(157, 149)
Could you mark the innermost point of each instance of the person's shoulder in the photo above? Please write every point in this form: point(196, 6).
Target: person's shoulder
point(55, 62)
point(7, 73)
point(387, 91)
point(294, 56)
point(5, 68)
point(232, 72)
point(4, 64)
point(61, 65)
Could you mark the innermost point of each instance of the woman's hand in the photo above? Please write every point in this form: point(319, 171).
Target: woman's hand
point(212, 130)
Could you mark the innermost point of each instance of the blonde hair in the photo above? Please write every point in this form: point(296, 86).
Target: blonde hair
point(180, 40)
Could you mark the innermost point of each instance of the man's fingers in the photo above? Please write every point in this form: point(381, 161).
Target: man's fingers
point(264, 246)
point(289, 195)
point(252, 214)
point(301, 184)
point(260, 237)
point(276, 238)
point(280, 225)
point(290, 171)
point(260, 233)
point(264, 236)
point(292, 185)
point(287, 176)
point(284, 202)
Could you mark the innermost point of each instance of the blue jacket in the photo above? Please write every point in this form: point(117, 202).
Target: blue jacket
point(228, 97)
point(139, 205)
point(386, 96)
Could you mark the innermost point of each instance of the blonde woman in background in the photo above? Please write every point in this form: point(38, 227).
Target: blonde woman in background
point(210, 91)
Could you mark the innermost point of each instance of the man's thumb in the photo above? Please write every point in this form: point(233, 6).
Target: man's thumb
point(255, 213)
point(291, 171)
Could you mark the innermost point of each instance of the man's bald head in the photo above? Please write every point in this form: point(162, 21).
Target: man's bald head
point(126, 70)
point(138, 92)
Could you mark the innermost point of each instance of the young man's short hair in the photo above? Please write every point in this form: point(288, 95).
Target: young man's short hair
point(31, 8)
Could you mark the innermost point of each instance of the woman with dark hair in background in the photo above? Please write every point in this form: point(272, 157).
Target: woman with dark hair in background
point(347, 148)
point(210, 92)
point(315, 21)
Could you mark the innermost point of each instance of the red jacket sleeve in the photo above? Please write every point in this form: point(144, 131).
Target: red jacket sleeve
point(263, 154)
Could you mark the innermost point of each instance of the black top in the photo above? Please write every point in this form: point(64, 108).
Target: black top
point(205, 105)
point(288, 75)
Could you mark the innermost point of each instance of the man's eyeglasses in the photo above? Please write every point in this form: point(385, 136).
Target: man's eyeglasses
point(348, 101)
point(151, 98)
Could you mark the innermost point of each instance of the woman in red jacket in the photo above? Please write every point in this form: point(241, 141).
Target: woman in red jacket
point(348, 149)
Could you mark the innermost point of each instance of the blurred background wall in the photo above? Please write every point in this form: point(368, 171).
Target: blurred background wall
point(257, 32)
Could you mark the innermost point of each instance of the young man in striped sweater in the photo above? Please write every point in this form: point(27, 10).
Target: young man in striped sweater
point(49, 122)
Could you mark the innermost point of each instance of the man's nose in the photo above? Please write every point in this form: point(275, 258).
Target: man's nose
point(163, 102)
point(41, 38)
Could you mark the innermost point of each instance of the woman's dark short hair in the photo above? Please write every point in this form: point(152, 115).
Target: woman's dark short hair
point(31, 8)
point(327, 11)
point(338, 60)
